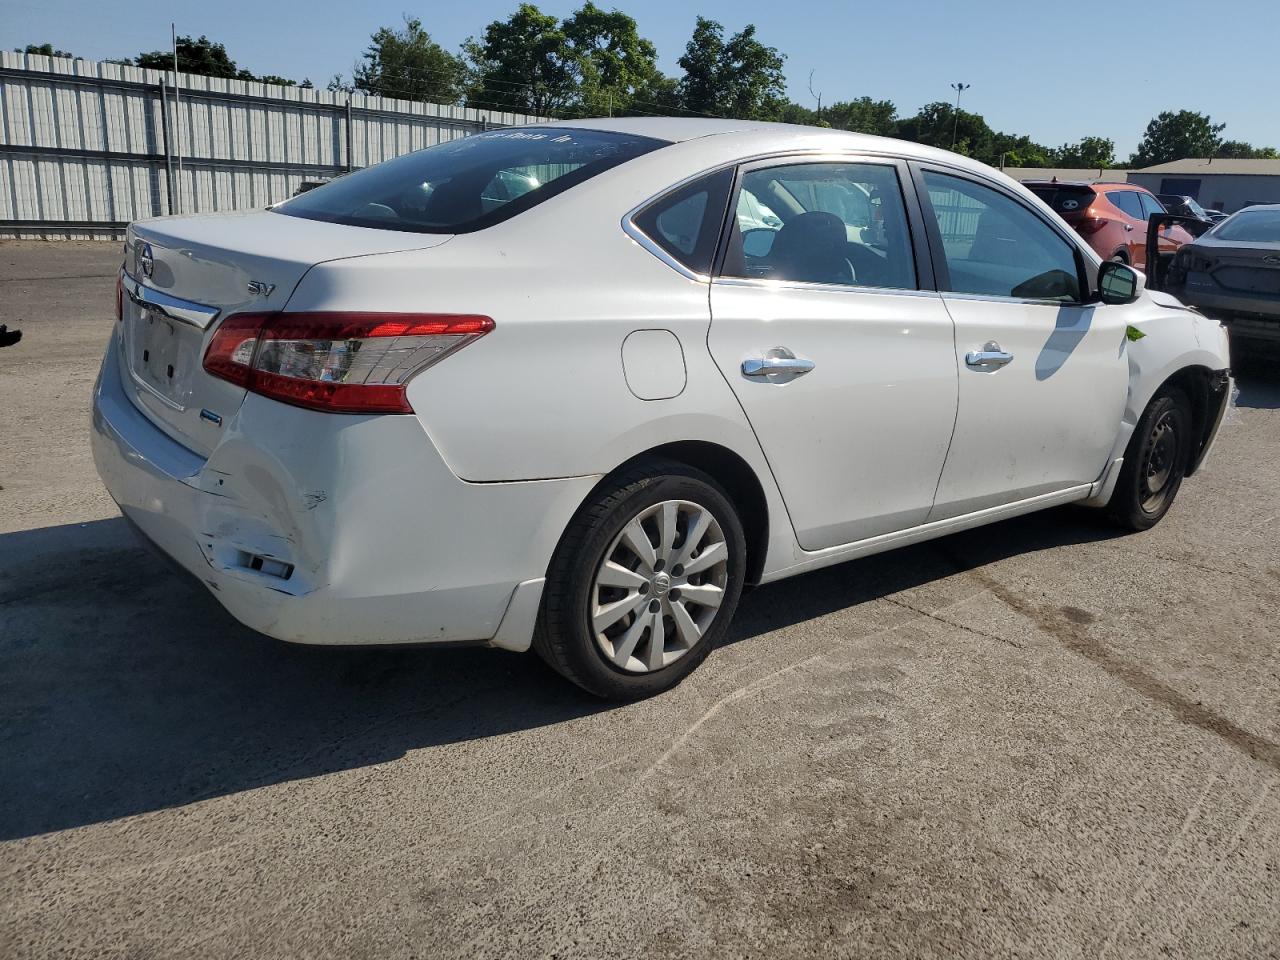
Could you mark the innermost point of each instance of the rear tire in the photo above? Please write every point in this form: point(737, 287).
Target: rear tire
point(1154, 462)
point(625, 617)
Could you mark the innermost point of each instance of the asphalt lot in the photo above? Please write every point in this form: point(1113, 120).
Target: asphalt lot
point(1039, 739)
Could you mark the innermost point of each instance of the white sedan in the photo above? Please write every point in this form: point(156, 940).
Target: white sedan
point(565, 387)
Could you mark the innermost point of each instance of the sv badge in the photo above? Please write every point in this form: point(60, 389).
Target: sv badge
point(260, 289)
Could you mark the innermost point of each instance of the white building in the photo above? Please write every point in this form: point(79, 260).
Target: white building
point(1225, 185)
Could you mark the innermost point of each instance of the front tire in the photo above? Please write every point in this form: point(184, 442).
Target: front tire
point(644, 582)
point(1154, 462)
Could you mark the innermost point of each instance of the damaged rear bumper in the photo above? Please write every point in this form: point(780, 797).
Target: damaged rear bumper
point(333, 529)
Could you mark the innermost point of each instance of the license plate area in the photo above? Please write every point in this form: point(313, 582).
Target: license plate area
point(163, 355)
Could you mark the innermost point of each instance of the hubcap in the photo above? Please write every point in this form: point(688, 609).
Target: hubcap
point(659, 586)
point(1162, 456)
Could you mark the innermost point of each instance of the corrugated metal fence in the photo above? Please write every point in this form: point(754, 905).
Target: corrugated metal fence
point(87, 147)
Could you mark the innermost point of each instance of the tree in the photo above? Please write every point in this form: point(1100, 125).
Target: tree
point(1087, 152)
point(615, 65)
point(1178, 136)
point(935, 124)
point(863, 115)
point(45, 50)
point(740, 77)
point(202, 57)
point(1239, 150)
point(408, 64)
point(524, 63)
point(1018, 150)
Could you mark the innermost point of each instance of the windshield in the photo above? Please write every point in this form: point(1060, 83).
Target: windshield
point(1254, 226)
point(470, 183)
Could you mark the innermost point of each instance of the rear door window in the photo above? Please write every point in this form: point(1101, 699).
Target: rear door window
point(833, 223)
point(470, 183)
point(1128, 202)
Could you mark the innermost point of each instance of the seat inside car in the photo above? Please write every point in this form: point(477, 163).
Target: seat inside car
point(812, 247)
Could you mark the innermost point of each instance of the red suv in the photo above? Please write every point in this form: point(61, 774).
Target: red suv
point(1112, 217)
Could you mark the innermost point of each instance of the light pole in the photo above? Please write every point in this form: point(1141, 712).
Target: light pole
point(959, 88)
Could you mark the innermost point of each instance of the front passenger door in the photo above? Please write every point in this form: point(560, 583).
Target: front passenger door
point(1043, 373)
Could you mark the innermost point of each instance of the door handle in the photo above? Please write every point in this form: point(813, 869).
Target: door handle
point(1128, 226)
point(776, 363)
point(989, 357)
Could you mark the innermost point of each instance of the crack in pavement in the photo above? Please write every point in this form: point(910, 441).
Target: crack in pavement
point(953, 623)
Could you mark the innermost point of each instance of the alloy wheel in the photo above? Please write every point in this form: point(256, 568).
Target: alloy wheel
point(659, 586)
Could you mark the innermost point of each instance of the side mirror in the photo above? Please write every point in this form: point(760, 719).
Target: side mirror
point(1118, 283)
point(758, 242)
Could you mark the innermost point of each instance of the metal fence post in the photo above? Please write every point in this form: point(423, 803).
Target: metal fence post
point(168, 153)
point(350, 131)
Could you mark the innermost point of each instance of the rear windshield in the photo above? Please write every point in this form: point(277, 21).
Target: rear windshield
point(1063, 200)
point(471, 183)
point(1253, 226)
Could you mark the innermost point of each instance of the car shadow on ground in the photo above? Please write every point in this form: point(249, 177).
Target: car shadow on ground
point(125, 688)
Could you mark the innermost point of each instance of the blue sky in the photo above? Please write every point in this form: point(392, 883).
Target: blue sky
point(1056, 71)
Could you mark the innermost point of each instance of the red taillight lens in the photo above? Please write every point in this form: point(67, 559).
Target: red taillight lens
point(337, 362)
point(1087, 225)
point(119, 297)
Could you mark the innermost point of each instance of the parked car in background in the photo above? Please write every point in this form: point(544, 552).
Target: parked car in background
point(1233, 272)
point(1215, 216)
point(1112, 217)
point(580, 414)
point(1184, 206)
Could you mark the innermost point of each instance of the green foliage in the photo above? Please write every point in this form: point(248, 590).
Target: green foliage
point(616, 67)
point(204, 58)
point(864, 115)
point(1177, 136)
point(740, 77)
point(44, 50)
point(525, 63)
point(409, 65)
point(1087, 152)
point(938, 125)
point(1239, 150)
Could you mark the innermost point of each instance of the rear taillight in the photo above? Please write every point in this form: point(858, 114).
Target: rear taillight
point(1087, 225)
point(337, 362)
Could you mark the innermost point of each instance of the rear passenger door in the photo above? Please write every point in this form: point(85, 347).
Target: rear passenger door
point(841, 356)
point(1043, 375)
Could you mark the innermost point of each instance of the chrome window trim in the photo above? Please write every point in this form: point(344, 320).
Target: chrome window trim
point(854, 156)
point(648, 243)
point(997, 298)
point(193, 314)
point(817, 156)
point(764, 283)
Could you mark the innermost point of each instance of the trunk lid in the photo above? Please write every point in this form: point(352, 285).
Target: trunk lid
point(1242, 266)
point(185, 275)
